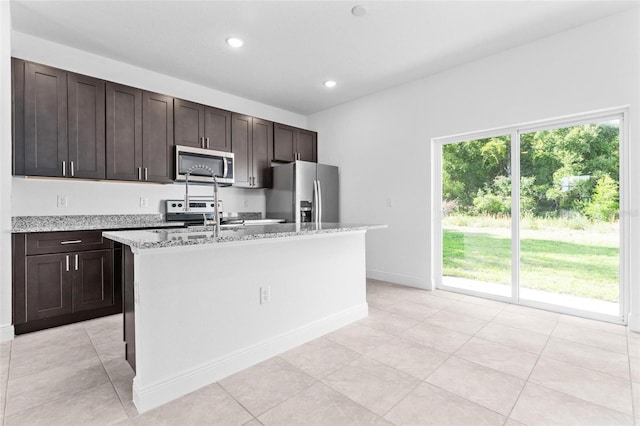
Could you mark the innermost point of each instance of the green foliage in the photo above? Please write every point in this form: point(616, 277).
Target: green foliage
point(604, 203)
point(476, 174)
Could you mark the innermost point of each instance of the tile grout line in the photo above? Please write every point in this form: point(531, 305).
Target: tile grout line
point(6, 386)
point(113, 386)
point(527, 380)
point(55, 399)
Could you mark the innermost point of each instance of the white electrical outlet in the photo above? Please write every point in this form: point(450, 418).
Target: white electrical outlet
point(389, 202)
point(144, 202)
point(63, 201)
point(265, 295)
point(246, 203)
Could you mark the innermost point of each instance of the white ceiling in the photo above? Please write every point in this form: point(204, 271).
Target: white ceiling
point(293, 46)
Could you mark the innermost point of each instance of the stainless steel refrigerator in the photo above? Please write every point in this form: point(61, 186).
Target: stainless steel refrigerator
point(303, 192)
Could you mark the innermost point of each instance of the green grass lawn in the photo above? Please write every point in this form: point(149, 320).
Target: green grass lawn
point(563, 267)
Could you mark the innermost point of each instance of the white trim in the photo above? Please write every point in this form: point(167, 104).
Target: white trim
point(436, 216)
point(7, 333)
point(619, 113)
point(153, 395)
point(401, 279)
point(579, 118)
point(515, 216)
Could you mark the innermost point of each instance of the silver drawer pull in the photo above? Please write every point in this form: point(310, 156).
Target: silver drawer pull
point(67, 256)
point(76, 262)
point(71, 242)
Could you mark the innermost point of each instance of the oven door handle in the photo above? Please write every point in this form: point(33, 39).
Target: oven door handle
point(226, 168)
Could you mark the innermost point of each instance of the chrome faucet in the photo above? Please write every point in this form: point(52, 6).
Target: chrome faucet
point(216, 212)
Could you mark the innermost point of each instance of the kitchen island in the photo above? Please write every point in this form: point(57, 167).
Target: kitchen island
point(199, 308)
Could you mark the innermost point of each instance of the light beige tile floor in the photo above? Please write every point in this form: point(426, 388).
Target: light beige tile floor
point(420, 358)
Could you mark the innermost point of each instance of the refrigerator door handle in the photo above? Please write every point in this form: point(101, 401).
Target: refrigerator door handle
point(315, 201)
point(319, 202)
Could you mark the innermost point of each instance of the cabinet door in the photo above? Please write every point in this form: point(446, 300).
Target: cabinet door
point(48, 286)
point(124, 132)
point(189, 123)
point(306, 145)
point(45, 120)
point(86, 127)
point(241, 137)
point(262, 152)
point(284, 142)
point(17, 109)
point(217, 129)
point(92, 280)
point(157, 137)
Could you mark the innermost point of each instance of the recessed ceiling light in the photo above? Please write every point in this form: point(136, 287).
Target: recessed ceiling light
point(329, 83)
point(235, 42)
point(359, 10)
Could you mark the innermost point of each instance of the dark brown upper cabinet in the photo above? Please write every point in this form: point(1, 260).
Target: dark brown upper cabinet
point(252, 142)
point(139, 135)
point(59, 122)
point(157, 137)
point(124, 132)
point(291, 143)
point(202, 126)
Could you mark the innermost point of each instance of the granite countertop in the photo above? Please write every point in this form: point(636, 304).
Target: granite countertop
point(87, 222)
point(149, 239)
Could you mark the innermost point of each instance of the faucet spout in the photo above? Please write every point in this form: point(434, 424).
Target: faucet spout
point(216, 210)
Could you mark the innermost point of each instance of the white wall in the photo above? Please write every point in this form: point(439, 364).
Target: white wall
point(6, 329)
point(588, 68)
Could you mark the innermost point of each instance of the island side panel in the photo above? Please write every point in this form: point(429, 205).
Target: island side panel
point(128, 306)
point(198, 316)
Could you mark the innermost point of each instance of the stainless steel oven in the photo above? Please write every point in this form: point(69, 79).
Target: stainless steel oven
point(220, 162)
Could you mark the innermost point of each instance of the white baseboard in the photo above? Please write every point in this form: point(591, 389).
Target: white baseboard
point(633, 322)
point(147, 397)
point(398, 279)
point(6, 333)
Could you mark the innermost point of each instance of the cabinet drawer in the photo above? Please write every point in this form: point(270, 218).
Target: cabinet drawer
point(63, 242)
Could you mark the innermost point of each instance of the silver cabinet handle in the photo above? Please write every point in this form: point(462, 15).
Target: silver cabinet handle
point(71, 242)
point(76, 261)
point(64, 168)
point(207, 143)
point(139, 173)
point(67, 256)
point(146, 174)
point(72, 172)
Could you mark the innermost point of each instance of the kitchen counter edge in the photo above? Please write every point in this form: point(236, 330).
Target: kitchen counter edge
point(146, 239)
point(29, 224)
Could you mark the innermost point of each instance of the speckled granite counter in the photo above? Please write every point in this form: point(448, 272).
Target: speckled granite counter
point(85, 222)
point(150, 239)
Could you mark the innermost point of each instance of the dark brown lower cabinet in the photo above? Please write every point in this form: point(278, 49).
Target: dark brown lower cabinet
point(57, 288)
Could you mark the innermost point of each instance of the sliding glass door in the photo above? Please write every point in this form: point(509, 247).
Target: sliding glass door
point(476, 225)
point(551, 239)
point(569, 217)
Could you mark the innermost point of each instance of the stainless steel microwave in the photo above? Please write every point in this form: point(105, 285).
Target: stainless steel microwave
point(219, 162)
